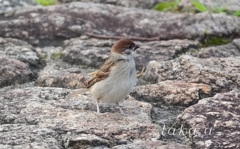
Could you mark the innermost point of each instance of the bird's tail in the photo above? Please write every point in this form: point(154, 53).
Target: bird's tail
point(78, 92)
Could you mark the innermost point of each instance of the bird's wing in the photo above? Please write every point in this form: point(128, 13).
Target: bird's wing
point(102, 73)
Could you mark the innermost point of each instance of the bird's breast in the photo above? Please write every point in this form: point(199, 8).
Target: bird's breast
point(124, 71)
point(118, 85)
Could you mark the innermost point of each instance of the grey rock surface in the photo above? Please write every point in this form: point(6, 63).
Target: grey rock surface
point(227, 50)
point(40, 24)
point(94, 52)
point(221, 74)
point(49, 115)
point(185, 80)
point(70, 78)
point(149, 4)
point(22, 51)
point(153, 144)
point(58, 73)
point(19, 62)
point(19, 136)
point(139, 3)
point(215, 121)
point(172, 93)
point(13, 71)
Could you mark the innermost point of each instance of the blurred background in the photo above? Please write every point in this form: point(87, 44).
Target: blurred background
point(172, 19)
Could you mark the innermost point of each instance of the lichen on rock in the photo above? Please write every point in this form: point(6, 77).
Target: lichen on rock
point(215, 121)
point(19, 62)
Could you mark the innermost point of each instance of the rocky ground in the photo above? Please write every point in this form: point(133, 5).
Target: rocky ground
point(188, 96)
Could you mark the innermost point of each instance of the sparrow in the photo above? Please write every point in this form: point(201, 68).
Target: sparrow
point(116, 78)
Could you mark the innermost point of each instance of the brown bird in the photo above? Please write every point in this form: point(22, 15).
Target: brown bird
point(117, 77)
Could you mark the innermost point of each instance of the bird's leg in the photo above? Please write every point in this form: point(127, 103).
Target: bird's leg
point(120, 109)
point(98, 110)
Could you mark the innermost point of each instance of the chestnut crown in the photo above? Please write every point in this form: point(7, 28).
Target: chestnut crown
point(123, 44)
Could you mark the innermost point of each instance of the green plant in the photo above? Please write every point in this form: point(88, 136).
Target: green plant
point(237, 13)
point(218, 10)
point(165, 6)
point(199, 5)
point(46, 2)
point(206, 32)
point(173, 6)
point(212, 41)
point(56, 55)
point(223, 9)
point(193, 51)
point(44, 56)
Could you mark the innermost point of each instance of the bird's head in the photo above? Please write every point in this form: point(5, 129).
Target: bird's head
point(125, 46)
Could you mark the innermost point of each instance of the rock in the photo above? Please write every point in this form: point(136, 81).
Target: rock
point(236, 42)
point(153, 144)
point(50, 54)
point(13, 72)
point(39, 24)
point(70, 78)
point(27, 137)
point(185, 80)
point(167, 115)
point(19, 62)
point(215, 121)
point(124, 3)
point(22, 51)
point(139, 3)
point(94, 52)
point(172, 93)
point(229, 5)
point(228, 50)
point(48, 113)
point(221, 74)
point(58, 73)
point(90, 52)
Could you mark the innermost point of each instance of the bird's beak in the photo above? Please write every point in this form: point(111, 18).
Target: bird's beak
point(136, 47)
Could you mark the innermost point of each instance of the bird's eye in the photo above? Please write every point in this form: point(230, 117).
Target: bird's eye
point(130, 47)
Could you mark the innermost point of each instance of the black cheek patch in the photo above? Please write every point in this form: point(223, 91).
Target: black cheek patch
point(127, 52)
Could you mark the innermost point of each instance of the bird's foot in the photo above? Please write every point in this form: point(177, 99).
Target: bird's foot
point(98, 113)
point(121, 110)
point(123, 113)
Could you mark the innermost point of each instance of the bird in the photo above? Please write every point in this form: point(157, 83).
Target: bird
point(116, 78)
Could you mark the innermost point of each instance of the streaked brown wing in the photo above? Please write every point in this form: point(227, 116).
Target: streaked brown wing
point(102, 73)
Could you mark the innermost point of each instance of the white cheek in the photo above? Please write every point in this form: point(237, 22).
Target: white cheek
point(133, 52)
